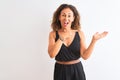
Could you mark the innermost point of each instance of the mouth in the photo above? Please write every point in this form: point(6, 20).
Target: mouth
point(66, 23)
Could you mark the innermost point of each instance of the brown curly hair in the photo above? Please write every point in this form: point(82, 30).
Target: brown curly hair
point(56, 23)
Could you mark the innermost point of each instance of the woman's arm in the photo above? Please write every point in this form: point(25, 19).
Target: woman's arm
point(86, 51)
point(53, 47)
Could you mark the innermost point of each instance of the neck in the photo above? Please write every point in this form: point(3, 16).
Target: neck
point(66, 30)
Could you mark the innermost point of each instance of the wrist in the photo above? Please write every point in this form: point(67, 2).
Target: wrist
point(94, 41)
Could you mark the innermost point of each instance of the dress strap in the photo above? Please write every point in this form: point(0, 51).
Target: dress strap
point(57, 36)
point(78, 35)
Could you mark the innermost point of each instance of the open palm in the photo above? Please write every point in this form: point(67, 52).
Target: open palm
point(98, 35)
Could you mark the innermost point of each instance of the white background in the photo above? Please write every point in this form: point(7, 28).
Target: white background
point(24, 29)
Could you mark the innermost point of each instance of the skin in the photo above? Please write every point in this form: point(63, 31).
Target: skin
point(67, 35)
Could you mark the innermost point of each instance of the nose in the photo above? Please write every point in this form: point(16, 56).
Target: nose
point(66, 18)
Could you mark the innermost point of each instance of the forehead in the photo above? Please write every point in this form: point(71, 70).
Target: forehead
point(66, 11)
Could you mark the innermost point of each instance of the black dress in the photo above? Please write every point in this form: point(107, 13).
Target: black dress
point(72, 52)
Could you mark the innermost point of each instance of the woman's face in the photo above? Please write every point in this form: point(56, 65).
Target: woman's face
point(66, 18)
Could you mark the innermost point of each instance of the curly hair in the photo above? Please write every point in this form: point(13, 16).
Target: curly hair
point(56, 23)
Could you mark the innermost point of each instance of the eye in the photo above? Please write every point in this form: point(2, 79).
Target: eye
point(69, 15)
point(63, 15)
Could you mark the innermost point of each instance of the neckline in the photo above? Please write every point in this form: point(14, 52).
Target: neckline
point(71, 41)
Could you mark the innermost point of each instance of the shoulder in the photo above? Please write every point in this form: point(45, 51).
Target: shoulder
point(52, 34)
point(80, 32)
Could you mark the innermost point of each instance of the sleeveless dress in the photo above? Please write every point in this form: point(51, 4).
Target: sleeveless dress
point(72, 52)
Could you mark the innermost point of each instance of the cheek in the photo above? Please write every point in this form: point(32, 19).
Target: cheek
point(60, 18)
point(72, 19)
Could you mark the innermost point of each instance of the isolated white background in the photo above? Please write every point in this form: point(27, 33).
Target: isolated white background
point(24, 29)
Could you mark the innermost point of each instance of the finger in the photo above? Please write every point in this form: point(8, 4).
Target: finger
point(104, 34)
point(96, 33)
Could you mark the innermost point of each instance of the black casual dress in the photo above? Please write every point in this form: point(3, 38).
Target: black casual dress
point(72, 52)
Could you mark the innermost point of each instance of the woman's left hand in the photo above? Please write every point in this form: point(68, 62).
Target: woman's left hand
point(98, 36)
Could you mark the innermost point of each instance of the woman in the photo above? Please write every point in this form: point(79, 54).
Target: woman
point(67, 44)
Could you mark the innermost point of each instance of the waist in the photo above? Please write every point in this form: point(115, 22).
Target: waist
point(68, 62)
